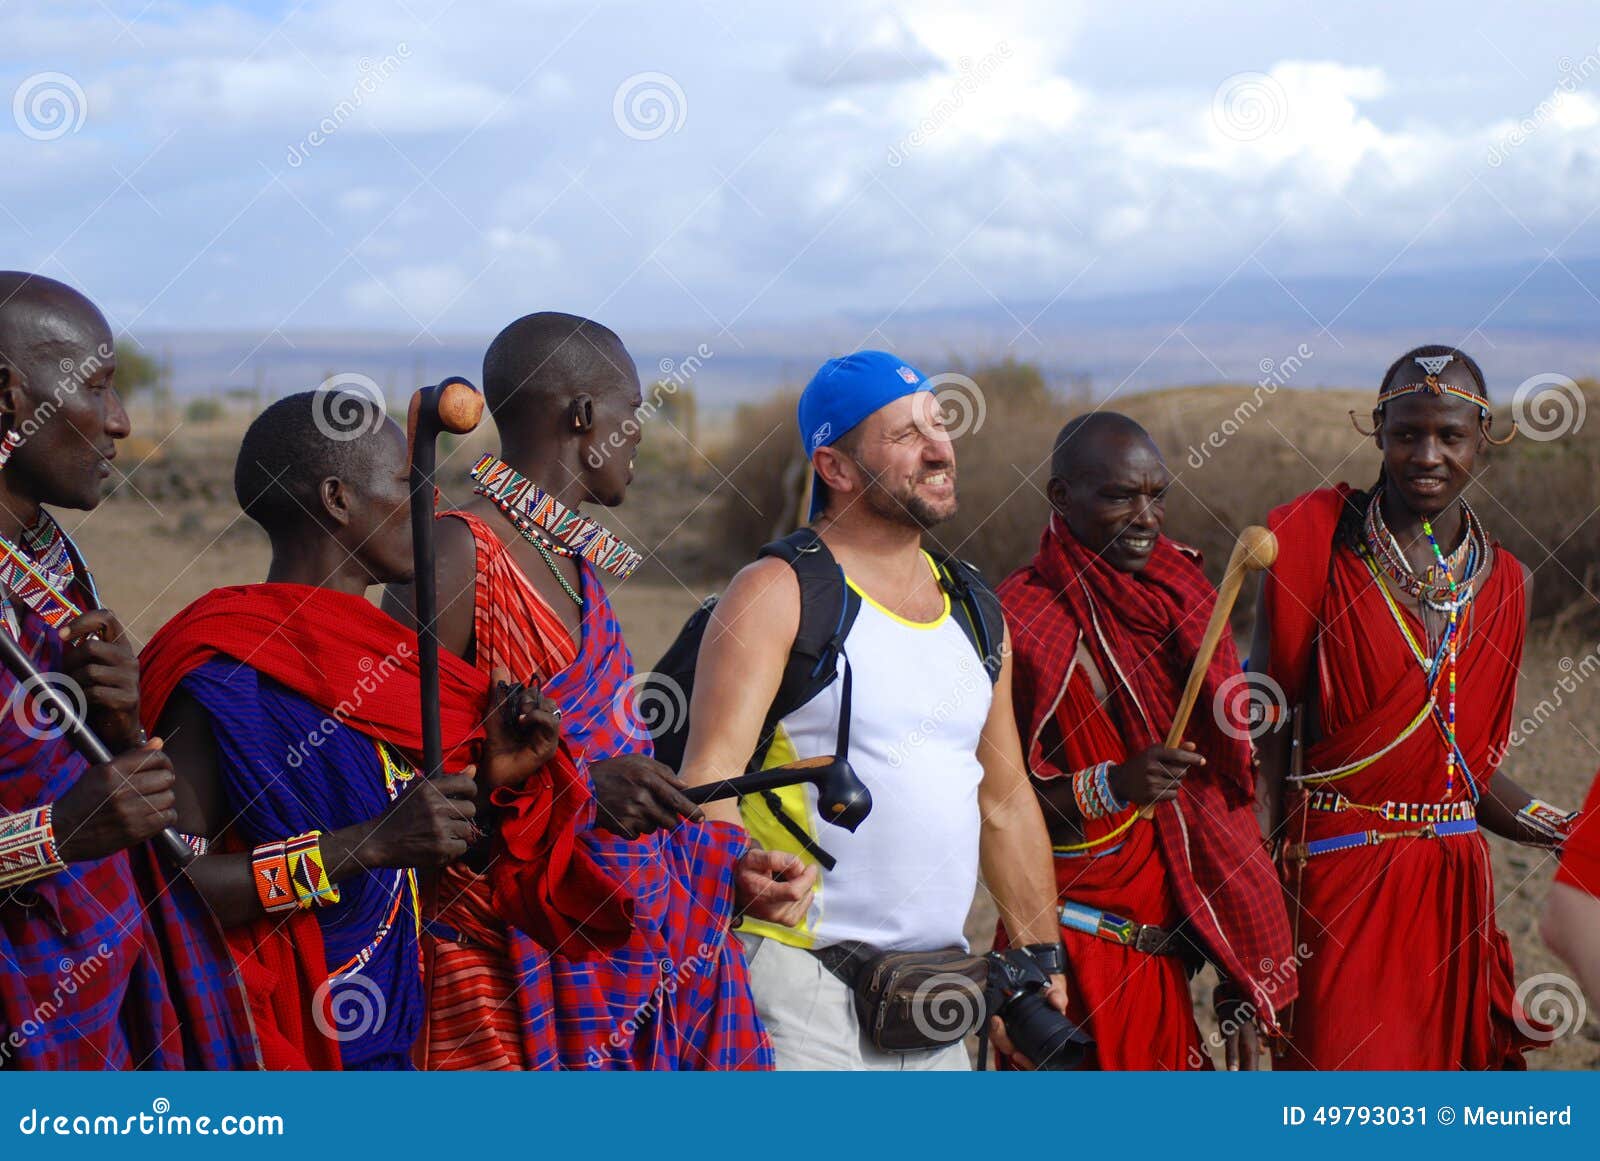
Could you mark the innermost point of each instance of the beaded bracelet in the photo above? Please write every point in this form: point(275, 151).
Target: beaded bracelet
point(1091, 790)
point(270, 865)
point(28, 847)
point(306, 871)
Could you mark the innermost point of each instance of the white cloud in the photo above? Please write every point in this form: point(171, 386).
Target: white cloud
point(875, 46)
point(422, 291)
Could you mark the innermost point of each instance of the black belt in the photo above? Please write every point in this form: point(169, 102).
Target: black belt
point(844, 960)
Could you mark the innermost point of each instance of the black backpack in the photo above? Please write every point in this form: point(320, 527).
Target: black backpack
point(828, 607)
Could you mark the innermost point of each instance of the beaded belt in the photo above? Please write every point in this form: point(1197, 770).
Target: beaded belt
point(1145, 937)
point(1371, 838)
point(1333, 802)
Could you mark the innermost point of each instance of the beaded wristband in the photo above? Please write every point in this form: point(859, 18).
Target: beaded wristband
point(270, 866)
point(28, 847)
point(307, 872)
point(1102, 782)
point(1091, 790)
point(1083, 793)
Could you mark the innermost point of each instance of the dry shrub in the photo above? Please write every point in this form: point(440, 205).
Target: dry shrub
point(760, 472)
point(1541, 499)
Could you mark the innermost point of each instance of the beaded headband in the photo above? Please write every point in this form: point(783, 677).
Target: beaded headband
point(1430, 384)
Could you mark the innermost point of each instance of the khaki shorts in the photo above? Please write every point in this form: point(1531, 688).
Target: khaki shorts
point(810, 1017)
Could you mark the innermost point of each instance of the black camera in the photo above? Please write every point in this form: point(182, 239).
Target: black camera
point(1015, 993)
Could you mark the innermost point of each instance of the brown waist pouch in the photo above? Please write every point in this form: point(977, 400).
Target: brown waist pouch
point(911, 1001)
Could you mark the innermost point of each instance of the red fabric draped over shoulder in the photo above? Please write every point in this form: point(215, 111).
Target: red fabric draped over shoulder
point(1403, 964)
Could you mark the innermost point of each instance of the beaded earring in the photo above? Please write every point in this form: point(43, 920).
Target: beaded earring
point(11, 443)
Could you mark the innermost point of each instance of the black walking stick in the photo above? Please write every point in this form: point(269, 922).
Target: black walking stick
point(842, 798)
point(455, 406)
point(83, 739)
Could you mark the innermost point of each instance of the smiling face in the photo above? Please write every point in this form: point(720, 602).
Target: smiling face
point(1113, 499)
point(898, 461)
point(57, 372)
point(1430, 445)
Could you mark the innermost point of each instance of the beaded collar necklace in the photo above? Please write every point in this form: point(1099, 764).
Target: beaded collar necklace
point(1438, 589)
point(562, 527)
point(40, 575)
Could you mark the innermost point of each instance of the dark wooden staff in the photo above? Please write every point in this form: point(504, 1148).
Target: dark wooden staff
point(453, 405)
point(83, 739)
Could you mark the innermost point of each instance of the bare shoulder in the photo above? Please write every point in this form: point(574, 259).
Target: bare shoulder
point(764, 595)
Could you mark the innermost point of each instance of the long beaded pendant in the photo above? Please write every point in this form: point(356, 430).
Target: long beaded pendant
point(1450, 631)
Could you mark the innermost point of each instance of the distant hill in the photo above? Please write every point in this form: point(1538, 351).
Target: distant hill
point(1518, 320)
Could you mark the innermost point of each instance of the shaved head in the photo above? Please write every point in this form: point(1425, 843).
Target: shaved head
point(57, 397)
point(564, 393)
point(1089, 441)
point(37, 313)
point(538, 364)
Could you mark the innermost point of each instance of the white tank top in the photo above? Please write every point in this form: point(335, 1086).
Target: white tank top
point(904, 880)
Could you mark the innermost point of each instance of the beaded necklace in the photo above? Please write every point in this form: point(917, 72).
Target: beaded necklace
point(517, 495)
point(1450, 636)
point(548, 551)
point(1439, 595)
point(1447, 597)
point(40, 575)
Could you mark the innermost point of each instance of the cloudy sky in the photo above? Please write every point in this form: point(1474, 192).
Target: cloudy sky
point(434, 167)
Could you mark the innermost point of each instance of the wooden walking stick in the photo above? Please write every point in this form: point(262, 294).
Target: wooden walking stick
point(1254, 551)
point(455, 406)
point(83, 739)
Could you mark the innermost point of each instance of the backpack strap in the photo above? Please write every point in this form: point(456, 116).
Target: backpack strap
point(981, 616)
point(828, 608)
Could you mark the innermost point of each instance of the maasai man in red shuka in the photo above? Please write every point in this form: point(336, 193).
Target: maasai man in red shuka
point(1106, 622)
point(519, 583)
point(1394, 626)
point(293, 709)
point(103, 964)
point(1571, 921)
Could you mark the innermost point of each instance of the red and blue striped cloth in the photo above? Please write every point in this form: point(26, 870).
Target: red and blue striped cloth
point(106, 964)
point(676, 996)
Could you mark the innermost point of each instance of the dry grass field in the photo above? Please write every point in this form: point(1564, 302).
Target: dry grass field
point(171, 531)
